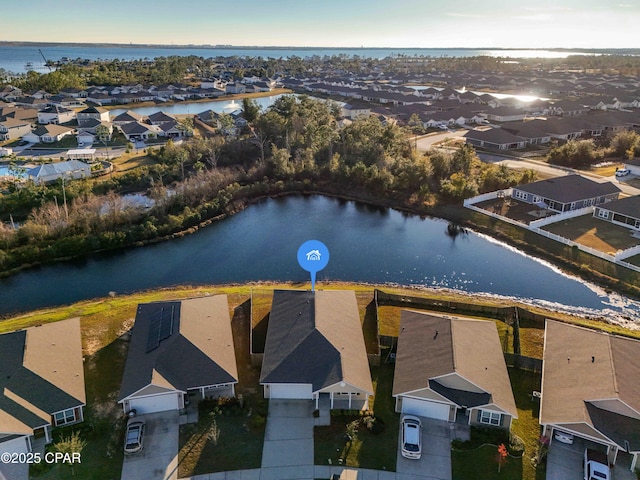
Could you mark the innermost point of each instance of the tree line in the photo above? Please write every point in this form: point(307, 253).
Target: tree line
point(297, 145)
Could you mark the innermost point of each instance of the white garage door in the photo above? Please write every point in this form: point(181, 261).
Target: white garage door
point(291, 390)
point(425, 408)
point(155, 403)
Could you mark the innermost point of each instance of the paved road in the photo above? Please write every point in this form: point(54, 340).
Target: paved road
point(425, 143)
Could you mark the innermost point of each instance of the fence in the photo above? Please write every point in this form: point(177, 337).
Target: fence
point(561, 216)
point(523, 363)
point(536, 224)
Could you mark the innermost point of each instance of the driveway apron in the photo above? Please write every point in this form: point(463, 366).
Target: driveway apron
point(159, 457)
point(288, 438)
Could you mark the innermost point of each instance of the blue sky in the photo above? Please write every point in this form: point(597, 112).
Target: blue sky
point(330, 23)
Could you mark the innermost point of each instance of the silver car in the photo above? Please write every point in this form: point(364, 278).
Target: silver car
point(134, 435)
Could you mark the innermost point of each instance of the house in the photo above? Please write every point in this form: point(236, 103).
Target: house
point(624, 212)
point(353, 110)
point(562, 194)
point(158, 118)
point(127, 117)
point(495, 138)
point(179, 348)
point(92, 113)
point(235, 88)
point(56, 115)
point(42, 380)
point(452, 369)
point(11, 128)
point(315, 350)
point(48, 134)
point(139, 131)
point(590, 389)
point(506, 114)
point(50, 172)
point(533, 131)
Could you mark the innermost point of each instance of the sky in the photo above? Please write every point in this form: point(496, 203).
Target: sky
point(329, 23)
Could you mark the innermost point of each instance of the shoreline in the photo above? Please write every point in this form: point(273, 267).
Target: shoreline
point(224, 98)
point(452, 213)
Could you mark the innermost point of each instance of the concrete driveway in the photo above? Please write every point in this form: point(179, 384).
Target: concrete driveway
point(435, 462)
point(288, 440)
point(159, 458)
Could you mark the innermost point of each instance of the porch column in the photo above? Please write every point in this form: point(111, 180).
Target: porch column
point(634, 461)
point(317, 395)
point(46, 434)
point(331, 400)
point(202, 392)
point(349, 400)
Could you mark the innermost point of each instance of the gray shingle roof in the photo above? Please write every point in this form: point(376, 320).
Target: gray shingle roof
point(198, 352)
point(315, 338)
point(570, 188)
point(30, 362)
point(629, 206)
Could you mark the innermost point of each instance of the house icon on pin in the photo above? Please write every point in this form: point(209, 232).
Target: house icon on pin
point(313, 256)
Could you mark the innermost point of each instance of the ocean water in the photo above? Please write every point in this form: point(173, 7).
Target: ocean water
point(14, 58)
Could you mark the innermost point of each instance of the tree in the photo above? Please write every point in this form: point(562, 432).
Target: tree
point(225, 123)
point(501, 456)
point(250, 110)
point(104, 135)
point(70, 445)
point(186, 126)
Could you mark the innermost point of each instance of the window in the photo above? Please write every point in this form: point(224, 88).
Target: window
point(64, 417)
point(490, 418)
point(520, 195)
point(603, 213)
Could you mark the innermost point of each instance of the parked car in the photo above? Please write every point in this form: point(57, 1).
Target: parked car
point(623, 172)
point(563, 437)
point(411, 437)
point(134, 436)
point(596, 465)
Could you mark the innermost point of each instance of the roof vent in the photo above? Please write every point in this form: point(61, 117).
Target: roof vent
point(436, 335)
point(593, 359)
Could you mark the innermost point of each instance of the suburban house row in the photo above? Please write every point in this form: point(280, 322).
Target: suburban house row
point(446, 368)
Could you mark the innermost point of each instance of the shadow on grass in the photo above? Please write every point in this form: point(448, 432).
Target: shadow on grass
point(370, 328)
point(375, 451)
point(103, 427)
point(482, 463)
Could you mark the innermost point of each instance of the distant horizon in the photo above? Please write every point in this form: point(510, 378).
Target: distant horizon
point(307, 47)
point(351, 24)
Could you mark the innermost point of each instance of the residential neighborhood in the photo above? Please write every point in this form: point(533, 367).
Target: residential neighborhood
point(408, 364)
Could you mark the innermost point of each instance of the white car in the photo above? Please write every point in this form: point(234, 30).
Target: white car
point(411, 437)
point(623, 172)
point(596, 465)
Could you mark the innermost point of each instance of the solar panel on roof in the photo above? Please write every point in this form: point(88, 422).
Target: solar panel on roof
point(160, 327)
point(153, 339)
point(166, 323)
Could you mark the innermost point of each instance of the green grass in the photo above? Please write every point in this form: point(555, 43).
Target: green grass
point(367, 450)
point(239, 445)
point(526, 425)
point(481, 464)
point(103, 428)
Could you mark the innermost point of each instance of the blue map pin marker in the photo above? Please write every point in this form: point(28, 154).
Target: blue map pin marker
point(313, 256)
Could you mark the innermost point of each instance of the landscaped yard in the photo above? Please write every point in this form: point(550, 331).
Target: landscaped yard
point(238, 446)
point(481, 464)
point(103, 428)
point(526, 426)
point(592, 232)
point(366, 450)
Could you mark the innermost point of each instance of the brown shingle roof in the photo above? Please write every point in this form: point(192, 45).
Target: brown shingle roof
point(431, 346)
point(582, 365)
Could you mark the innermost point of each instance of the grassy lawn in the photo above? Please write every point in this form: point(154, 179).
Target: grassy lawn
point(526, 425)
point(130, 161)
point(481, 463)
point(366, 450)
point(592, 232)
point(103, 428)
point(239, 444)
